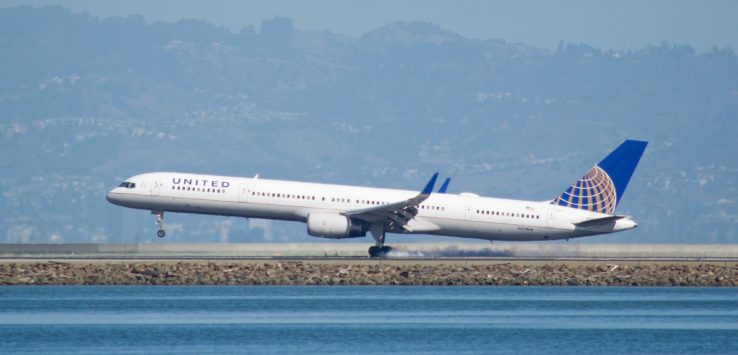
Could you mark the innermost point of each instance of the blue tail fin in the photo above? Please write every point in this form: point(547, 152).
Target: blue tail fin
point(601, 188)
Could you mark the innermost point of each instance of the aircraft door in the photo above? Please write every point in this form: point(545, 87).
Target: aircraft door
point(551, 218)
point(243, 195)
point(155, 188)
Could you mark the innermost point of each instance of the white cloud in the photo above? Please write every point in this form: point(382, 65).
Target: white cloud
point(20, 234)
point(724, 201)
point(224, 230)
point(263, 224)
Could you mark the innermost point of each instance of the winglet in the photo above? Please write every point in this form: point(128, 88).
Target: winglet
point(444, 187)
point(429, 187)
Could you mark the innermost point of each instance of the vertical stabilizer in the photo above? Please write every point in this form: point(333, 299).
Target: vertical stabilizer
point(601, 188)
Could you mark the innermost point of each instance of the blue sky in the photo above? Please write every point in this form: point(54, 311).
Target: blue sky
point(623, 24)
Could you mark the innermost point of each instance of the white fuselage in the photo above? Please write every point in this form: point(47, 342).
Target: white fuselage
point(459, 215)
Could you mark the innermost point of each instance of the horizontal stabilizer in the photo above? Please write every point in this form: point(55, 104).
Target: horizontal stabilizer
point(597, 221)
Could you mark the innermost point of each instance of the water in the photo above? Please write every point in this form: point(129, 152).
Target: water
point(220, 319)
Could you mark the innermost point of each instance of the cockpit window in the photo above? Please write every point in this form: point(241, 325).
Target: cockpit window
point(128, 185)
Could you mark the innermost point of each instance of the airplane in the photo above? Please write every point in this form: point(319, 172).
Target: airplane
point(585, 208)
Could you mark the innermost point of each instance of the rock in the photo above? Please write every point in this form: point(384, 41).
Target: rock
point(380, 273)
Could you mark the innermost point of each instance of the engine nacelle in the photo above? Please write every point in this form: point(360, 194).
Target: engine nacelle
point(333, 225)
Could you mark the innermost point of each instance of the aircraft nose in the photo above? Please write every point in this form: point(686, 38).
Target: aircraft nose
point(113, 197)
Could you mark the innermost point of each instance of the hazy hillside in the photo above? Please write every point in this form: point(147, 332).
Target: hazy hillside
point(86, 102)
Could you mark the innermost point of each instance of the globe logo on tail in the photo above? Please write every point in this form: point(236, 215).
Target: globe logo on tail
point(595, 191)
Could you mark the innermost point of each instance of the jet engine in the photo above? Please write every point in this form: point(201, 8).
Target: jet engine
point(333, 225)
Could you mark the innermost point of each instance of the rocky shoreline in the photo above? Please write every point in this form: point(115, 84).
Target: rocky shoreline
point(376, 273)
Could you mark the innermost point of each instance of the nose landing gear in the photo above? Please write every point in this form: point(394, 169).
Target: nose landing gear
point(159, 223)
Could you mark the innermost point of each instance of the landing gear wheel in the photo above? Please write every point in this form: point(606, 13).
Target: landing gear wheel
point(379, 252)
point(159, 223)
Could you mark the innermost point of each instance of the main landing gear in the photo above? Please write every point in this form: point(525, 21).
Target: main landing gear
point(159, 223)
point(376, 251)
point(379, 250)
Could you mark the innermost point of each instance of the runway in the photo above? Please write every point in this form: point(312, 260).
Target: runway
point(354, 260)
point(357, 252)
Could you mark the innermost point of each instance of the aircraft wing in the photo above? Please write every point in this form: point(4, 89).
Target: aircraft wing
point(395, 214)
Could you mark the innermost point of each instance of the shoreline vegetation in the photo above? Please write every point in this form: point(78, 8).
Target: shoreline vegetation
point(367, 272)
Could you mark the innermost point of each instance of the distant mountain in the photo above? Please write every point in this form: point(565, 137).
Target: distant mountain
point(86, 102)
point(411, 34)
